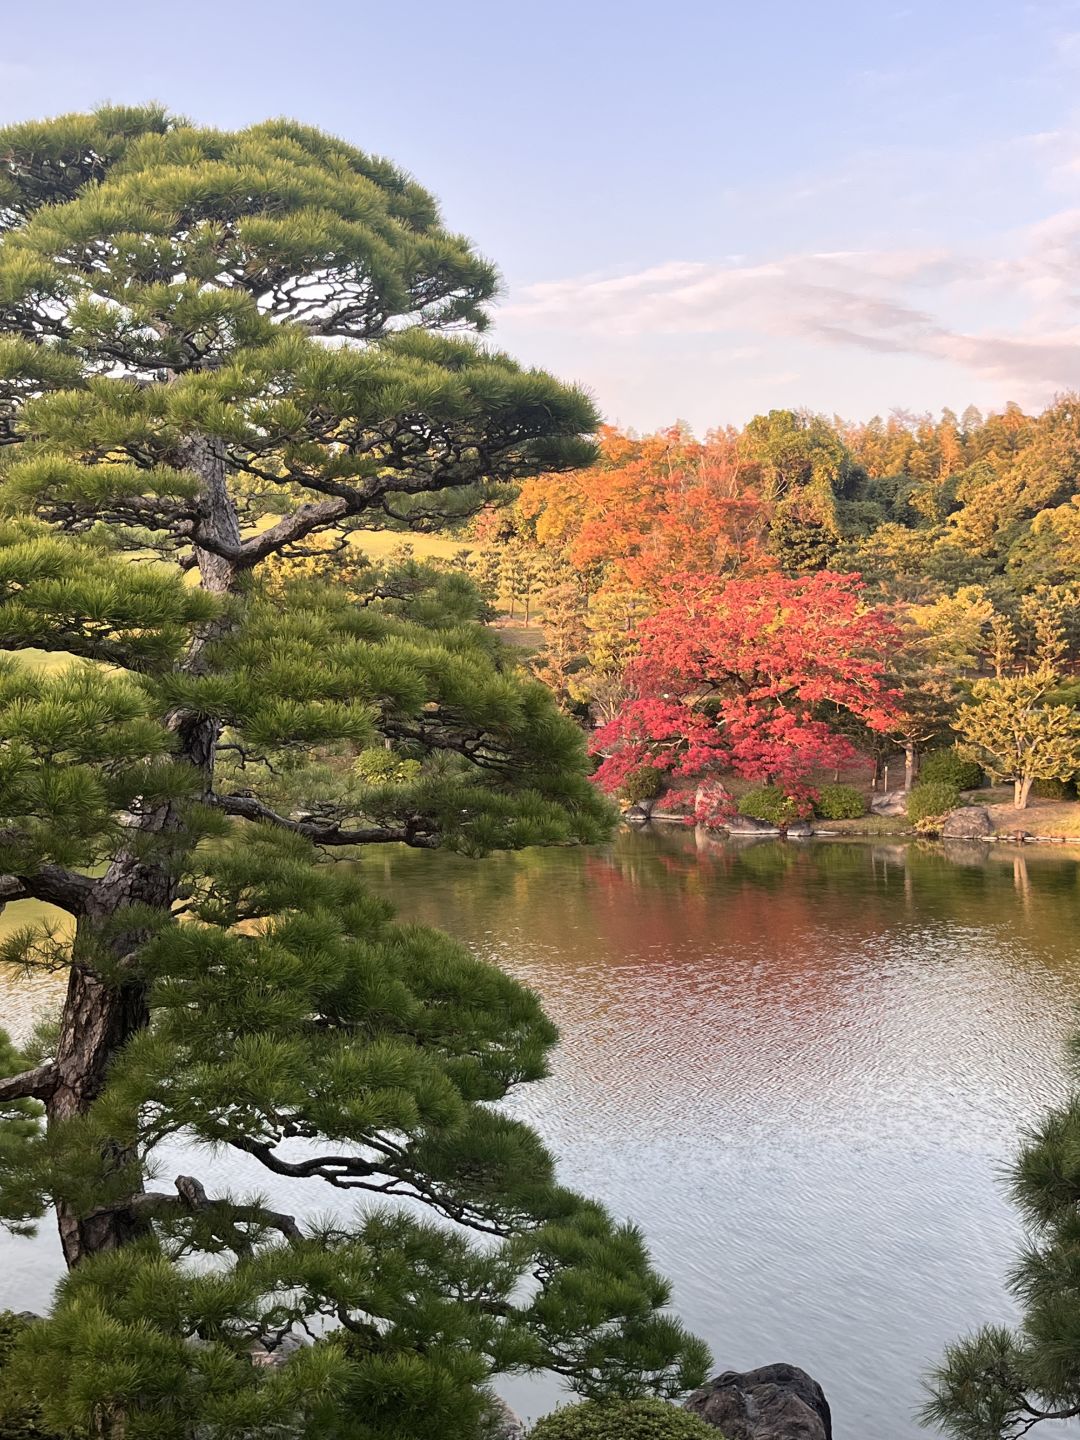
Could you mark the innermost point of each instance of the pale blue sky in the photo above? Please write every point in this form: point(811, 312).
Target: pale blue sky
point(701, 210)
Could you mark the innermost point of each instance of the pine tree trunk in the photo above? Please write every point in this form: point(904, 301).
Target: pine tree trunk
point(98, 1022)
point(909, 765)
point(100, 1019)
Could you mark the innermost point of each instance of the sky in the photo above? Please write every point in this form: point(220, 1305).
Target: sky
point(701, 209)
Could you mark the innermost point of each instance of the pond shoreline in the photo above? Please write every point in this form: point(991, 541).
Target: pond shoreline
point(904, 832)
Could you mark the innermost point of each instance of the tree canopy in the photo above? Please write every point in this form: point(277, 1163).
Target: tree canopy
point(221, 355)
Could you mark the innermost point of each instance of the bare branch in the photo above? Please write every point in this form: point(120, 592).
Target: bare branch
point(414, 831)
point(352, 1172)
point(66, 889)
point(36, 1084)
point(297, 526)
point(191, 1198)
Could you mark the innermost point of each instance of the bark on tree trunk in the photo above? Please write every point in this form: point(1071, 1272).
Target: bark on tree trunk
point(1022, 792)
point(100, 1018)
point(98, 1022)
point(909, 765)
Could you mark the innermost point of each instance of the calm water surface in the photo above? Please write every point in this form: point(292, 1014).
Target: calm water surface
point(798, 1067)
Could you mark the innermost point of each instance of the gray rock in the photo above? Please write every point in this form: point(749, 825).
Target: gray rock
point(639, 813)
point(774, 1402)
point(969, 822)
point(799, 830)
point(893, 802)
point(747, 825)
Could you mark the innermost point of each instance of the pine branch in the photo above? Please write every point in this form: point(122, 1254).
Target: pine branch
point(36, 1084)
point(51, 883)
point(352, 1172)
point(331, 832)
point(191, 1198)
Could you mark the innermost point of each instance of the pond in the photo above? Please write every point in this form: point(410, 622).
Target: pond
point(800, 1067)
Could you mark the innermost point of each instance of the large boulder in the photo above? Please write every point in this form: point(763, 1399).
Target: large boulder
point(640, 813)
point(774, 1402)
point(892, 802)
point(969, 822)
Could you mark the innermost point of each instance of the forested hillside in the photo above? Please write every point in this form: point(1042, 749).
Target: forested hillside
point(959, 541)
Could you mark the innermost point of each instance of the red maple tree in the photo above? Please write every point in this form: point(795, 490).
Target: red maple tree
point(749, 677)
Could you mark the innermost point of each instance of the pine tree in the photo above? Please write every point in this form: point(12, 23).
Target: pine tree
point(565, 637)
point(221, 355)
point(1010, 728)
point(999, 1383)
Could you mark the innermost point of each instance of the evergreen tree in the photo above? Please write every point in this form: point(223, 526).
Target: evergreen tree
point(1000, 1383)
point(1010, 728)
point(221, 354)
point(565, 638)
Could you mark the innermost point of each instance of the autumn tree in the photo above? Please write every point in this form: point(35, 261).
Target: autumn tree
point(217, 350)
point(739, 677)
point(806, 470)
point(648, 509)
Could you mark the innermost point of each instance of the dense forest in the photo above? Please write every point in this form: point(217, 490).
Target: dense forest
point(958, 542)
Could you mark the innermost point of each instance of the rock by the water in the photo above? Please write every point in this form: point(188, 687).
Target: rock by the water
point(799, 830)
point(969, 822)
point(638, 813)
point(747, 825)
point(774, 1402)
point(893, 802)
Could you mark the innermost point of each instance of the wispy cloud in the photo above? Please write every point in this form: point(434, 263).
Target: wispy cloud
point(904, 301)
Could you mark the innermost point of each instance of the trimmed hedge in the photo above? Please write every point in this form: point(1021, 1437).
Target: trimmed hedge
point(950, 768)
point(1054, 789)
point(930, 800)
point(644, 783)
point(840, 802)
point(768, 802)
point(622, 1420)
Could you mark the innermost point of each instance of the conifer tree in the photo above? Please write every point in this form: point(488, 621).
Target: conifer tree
point(999, 1382)
point(1010, 728)
point(219, 354)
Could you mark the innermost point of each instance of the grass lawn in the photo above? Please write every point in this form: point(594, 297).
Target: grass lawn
point(1042, 817)
point(866, 825)
point(378, 544)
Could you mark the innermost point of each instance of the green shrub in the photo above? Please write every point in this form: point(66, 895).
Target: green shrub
point(947, 767)
point(18, 1421)
point(644, 783)
point(840, 802)
point(769, 802)
point(622, 1420)
point(379, 766)
point(1054, 789)
point(931, 799)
